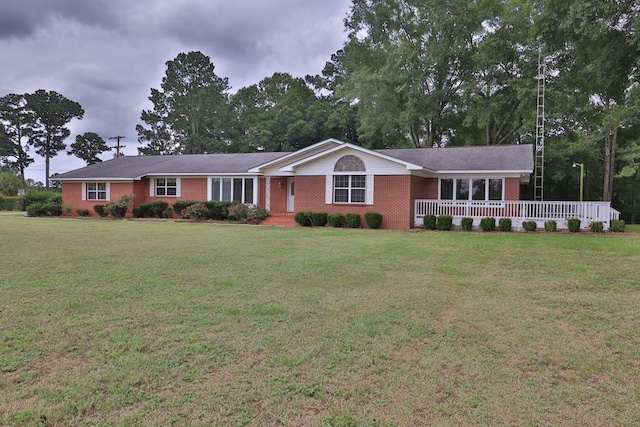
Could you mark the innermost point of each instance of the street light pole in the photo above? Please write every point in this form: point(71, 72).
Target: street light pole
point(575, 164)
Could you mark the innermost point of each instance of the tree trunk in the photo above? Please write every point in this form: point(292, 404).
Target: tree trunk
point(609, 160)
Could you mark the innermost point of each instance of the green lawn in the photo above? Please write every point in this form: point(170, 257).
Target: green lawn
point(108, 322)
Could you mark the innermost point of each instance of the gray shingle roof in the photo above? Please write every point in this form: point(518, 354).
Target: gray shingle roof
point(131, 167)
point(451, 159)
point(485, 158)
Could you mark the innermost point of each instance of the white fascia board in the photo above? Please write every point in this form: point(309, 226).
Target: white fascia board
point(409, 166)
point(483, 172)
point(99, 179)
point(259, 168)
point(199, 174)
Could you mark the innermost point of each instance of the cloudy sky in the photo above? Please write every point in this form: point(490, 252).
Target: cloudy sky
point(108, 54)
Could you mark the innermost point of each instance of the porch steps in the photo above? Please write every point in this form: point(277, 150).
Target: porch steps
point(280, 220)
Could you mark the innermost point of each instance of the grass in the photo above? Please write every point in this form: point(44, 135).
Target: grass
point(170, 323)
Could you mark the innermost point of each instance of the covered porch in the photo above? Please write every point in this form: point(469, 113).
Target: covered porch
point(518, 211)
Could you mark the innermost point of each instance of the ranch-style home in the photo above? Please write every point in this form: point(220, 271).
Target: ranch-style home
point(330, 176)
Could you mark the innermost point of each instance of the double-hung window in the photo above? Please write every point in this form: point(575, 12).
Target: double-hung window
point(232, 190)
point(349, 186)
point(477, 189)
point(166, 187)
point(96, 191)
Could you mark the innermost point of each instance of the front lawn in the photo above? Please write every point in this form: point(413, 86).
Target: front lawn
point(109, 322)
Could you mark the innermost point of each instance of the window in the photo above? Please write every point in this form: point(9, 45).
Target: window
point(167, 187)
point(96, 191)
point(349, 188)
point(479, 189)
point(232, 190)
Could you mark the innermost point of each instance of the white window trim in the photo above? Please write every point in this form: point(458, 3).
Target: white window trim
point(152, 186)
point(470, 180)
point(84, 191)
point(210, 179)
point(330, 190)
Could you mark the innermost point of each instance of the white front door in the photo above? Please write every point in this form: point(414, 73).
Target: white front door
point(290, 194)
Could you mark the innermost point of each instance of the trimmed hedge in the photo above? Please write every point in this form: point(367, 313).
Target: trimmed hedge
point(100, 210)
point(180, 205)
point(504, 224)
point(488, 224)
point(337, 220)
point(157, 209)
point(304, 218)
point(529, 225)
point(573, 224)
point(82, 212)
point(596, 227)
point(10, 203)
point(319, 219)
point(44, 209)
point(429, 222)
point(353, 220)
point(444, 222)
point(373, 220)
point(466, 223)
point(550, 226)
point(617, 225)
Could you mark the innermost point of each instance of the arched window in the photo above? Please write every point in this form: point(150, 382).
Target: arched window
point(348, 188)
point(349, 163)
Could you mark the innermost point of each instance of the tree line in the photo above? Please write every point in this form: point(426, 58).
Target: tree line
point(428, 73)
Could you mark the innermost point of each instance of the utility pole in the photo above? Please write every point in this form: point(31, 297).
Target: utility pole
point(118, 146)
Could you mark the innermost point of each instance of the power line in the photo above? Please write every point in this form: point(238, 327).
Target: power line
point(118, 147)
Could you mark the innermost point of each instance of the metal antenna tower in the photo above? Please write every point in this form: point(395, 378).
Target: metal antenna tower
point(539, 155)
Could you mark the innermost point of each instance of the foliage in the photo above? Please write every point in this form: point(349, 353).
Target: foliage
point(44, 209)
point(444, 222)
point(67, 208)
point(100, 210)
point(51, 113)
point(529, 225)
point(238, 212)
point(256, 214)
point(120, 208)
point(373, 220)
point(504, 224)
point(573, 224)
point(596, 227)
point(15, 122)
point(197, 211)
point(191, 112)
point(10, 203)
point(218, 211)
point(36, 195)
point(353, 220)
point(10, 183)
point(466, 223)
point(488, 224)
point(82, 212)
point(319, 219)
point(180, 205)
point(337, 220)
point(550, 226)
point(617, 225)
point(155, 209)
point(429, 222)
point(304, 218)
point(87, 147)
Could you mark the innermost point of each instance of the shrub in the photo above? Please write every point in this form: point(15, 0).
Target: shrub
point(82, 212)
point(218, 211)
point(10, 203)
point(429, 222)
point(573, 224)
point(319, 219)
point(550, 226)
point(180, 205)
point(67, 208)
point(119, 209)
point(197, 211)
point(529, 225)
point(34, 195)
point(466, 223)
point(304, 218)
point(617, 225)
point(488, 224)
point(44, 209)
point(256, 214)
point(157, 209)
point(504, 224)
point(596, 226)
point(100, 210)
point(373, 220)
point(337, 220)
point(353, 220)
point(444, 222)
point(238, 212)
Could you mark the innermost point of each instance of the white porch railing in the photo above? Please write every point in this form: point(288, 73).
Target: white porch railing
point(518, 211)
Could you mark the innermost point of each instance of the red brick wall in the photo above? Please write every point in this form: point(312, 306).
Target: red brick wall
point(392, 198)
point(512, 189)
point(431, 189)
point(72, 194)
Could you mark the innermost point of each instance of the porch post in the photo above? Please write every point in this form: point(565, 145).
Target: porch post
point(267, 193)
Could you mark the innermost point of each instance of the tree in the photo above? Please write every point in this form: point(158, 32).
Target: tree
point(10, 183)
point(191, 112)
point(87, 147)
point(15, 121)
point(51, 112)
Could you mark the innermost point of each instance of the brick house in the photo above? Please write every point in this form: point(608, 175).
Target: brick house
point(330, 176)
